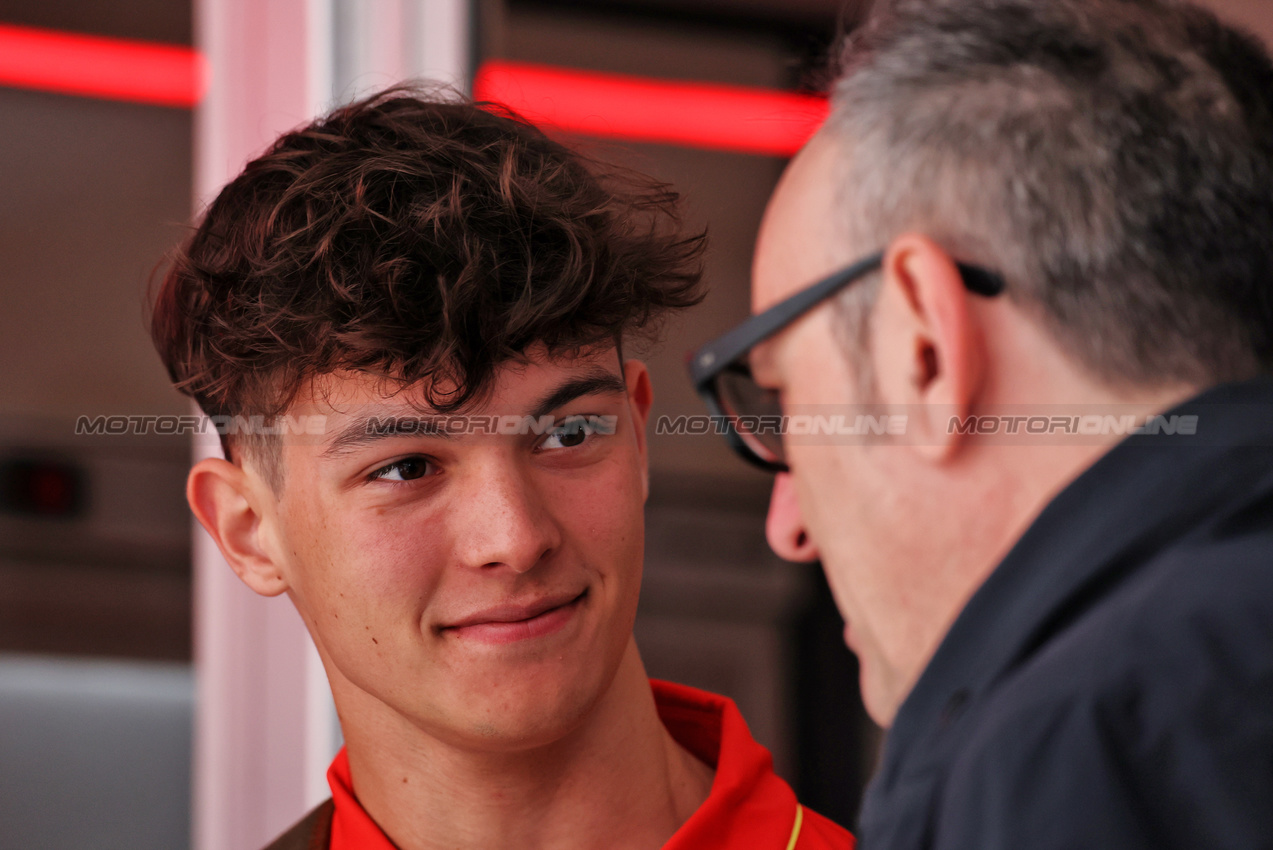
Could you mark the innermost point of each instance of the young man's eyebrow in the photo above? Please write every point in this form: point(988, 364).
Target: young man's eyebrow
point(598, 382)
point(367, 430)
point(363, 431)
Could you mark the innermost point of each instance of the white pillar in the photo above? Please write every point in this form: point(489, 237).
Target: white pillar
point(380, 42)
point(265, 728)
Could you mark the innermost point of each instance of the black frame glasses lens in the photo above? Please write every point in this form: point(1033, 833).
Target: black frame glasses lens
point(754, 413)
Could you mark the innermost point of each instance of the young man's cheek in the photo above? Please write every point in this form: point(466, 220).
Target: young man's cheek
point(351, 573)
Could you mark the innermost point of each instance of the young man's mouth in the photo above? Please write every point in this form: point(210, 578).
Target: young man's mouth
point(509, 623)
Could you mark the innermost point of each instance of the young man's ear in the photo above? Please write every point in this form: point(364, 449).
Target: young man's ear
point(927, 343)
point(228, 504)
point(640, 399)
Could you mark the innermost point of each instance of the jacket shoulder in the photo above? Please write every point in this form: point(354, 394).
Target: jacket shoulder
point(1151, 725)
point(312, 832)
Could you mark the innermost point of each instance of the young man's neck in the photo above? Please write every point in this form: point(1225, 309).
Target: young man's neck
point(618, 781)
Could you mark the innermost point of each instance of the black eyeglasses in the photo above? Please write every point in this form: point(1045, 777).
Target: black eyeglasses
point(751, 413)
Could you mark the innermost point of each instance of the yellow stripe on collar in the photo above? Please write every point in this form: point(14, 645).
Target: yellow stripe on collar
point(795, 830)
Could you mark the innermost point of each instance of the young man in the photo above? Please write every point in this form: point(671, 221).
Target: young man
point(1057, 578)
point(448, 290)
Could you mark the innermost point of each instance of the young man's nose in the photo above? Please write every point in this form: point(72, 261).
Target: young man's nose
point(785, 527)
point(507, 522)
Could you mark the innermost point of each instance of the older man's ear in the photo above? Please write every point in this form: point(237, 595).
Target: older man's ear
point(927, 343)
point(229, 503)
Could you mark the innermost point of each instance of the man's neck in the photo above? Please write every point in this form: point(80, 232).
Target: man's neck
point(618, 780)
point(1008, 486)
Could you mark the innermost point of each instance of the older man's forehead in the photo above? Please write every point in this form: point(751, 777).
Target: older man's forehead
point(796, 243)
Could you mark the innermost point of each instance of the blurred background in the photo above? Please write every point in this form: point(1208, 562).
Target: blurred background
point(123, 117)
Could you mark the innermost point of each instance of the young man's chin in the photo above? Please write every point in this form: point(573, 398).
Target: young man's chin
point(507, 695)
point(533, 708)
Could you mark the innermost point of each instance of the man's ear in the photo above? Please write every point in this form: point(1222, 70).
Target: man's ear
point(640, 399)
point(927, 346)
point(228, 504)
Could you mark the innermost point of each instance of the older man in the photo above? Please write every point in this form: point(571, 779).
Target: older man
point(1038, 235)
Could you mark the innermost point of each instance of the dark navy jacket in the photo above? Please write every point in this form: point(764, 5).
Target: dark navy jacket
point(1111, 684)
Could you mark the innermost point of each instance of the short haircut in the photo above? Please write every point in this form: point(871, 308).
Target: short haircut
point(1113, 159)
point(417, 239)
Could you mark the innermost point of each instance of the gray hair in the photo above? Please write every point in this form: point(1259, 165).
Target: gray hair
point(1112, 159)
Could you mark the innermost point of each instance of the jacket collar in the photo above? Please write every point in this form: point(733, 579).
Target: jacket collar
point(1146, 492)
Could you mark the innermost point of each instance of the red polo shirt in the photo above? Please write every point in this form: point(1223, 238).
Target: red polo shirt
point(749, 806)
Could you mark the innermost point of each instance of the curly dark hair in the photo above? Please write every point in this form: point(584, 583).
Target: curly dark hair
point(412, 237)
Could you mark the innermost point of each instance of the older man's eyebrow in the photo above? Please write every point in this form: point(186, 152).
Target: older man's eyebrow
point(370, 429)
point(759, 360)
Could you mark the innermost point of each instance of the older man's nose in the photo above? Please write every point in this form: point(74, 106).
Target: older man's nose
point(785, 527)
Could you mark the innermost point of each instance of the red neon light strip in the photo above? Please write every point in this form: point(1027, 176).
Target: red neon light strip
point(93, 66)
point(704, 115)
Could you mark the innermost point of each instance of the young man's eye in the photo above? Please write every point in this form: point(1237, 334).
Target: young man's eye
point(573, 431)
point(407, 469)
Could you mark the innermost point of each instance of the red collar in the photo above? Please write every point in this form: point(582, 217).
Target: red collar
point(749, 806)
